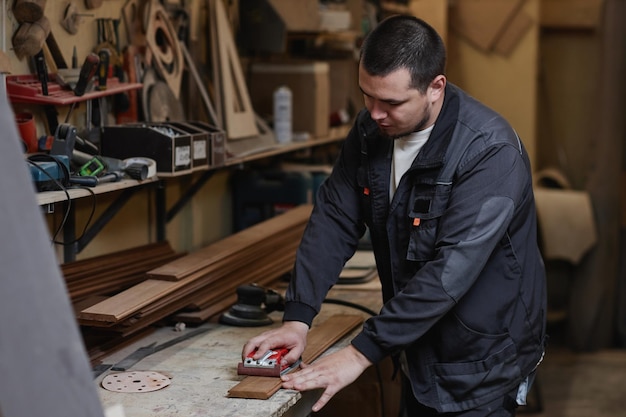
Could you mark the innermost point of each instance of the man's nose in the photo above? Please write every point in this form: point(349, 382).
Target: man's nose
point(377, 112)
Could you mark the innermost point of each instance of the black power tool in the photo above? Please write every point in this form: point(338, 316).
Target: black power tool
point(254, 303)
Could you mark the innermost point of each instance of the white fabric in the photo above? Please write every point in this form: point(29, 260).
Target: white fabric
point(405, 149)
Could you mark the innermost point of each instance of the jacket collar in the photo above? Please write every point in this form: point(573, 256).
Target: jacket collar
point(434, 151)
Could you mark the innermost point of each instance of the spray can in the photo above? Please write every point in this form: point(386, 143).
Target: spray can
point(282, 114)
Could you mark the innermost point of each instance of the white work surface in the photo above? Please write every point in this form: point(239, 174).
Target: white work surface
point(202, 369)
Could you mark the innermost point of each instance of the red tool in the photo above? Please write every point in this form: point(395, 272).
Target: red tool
point(87, 71)
point(268, 365)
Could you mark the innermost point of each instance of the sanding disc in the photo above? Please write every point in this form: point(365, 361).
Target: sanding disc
point(136, 381)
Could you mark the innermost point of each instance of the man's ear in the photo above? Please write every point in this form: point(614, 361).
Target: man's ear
point(437, 87)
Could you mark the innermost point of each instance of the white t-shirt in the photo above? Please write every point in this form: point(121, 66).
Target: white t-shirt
point(405, 149)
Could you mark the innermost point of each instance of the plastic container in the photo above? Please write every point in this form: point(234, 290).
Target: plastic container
point(283, 114)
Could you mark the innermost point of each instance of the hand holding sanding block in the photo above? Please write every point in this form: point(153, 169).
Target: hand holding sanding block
point(268, 365)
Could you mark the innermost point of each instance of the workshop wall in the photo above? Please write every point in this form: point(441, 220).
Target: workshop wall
point(205, 219)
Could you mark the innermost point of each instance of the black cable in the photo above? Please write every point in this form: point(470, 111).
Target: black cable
point(87, 223)
point(371, 313)
point(61, 188)
point(350, 304)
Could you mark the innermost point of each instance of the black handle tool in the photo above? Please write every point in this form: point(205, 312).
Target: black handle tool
point(87, 71)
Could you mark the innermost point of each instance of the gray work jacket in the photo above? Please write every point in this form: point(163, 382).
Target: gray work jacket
point(456, 251)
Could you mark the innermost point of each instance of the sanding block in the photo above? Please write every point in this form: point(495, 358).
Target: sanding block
point(268, 365)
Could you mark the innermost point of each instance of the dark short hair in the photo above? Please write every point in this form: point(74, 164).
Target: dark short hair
point(403, 41)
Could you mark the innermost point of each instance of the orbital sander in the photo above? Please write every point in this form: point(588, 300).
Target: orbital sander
point(253, 305)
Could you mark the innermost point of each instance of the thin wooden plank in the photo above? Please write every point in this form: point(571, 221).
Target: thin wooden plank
point(319, 339)
point(128, 302)
point(191, 263)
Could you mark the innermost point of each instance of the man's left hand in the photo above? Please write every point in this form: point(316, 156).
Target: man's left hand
point(332, 373)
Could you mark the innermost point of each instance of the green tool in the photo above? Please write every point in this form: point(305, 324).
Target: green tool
point(93, 167)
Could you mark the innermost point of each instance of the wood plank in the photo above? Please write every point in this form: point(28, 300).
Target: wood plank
point(129, 301)
point(319, 339)
point(219, 250)
point(234, 257)
point(572, 14)
point(154, 293)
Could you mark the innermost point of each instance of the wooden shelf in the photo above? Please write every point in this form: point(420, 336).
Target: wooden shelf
point(28, 89)
point(51, 197)
point(336, 134)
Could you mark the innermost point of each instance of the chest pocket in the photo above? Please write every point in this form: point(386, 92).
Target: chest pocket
point(426, 204)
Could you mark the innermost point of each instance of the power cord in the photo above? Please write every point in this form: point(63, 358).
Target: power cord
point(61, 187)
point(87, 223)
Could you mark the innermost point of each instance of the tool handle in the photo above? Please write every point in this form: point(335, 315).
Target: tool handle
point(88, 181)
point(87, 71)
point(103, 68)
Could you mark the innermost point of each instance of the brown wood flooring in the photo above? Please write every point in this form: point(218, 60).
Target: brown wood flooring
point(574, 384)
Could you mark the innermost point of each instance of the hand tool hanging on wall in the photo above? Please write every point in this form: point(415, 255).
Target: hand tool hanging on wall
point(34, 27)
point(29, 37)
point(103, 68)
point(87, 72)
point(130, 69)
point(28, 10)
point(108, 40)
point(72, 19)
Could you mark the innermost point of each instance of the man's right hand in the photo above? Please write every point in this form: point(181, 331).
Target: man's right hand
point(291, 335)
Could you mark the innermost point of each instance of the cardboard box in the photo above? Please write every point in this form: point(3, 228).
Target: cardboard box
point(310, 88)
point(217, 141)
point(298, 16)
point(168, 146)
point(200, 144)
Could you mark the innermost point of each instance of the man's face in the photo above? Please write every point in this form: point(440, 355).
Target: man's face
point(397, 108)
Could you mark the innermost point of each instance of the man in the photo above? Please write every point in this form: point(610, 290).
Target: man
point(444, 186)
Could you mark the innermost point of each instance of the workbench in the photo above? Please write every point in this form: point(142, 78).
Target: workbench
point(203, 368)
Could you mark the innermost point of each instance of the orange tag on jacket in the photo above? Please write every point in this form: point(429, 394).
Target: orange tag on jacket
point(366, 191)
point(416, 221)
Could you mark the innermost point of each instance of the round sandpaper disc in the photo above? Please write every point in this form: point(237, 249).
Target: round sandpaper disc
point(136, 381)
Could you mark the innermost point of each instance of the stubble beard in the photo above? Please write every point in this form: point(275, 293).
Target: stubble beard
point(419, 126)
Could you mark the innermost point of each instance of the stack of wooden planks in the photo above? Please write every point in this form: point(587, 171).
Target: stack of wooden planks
point(205, 280)
point(114, 272)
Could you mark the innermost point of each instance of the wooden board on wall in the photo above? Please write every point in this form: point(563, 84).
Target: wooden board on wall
point(573, 14)
point(482, 22)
